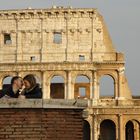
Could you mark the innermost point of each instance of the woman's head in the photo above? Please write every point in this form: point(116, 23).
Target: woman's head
point(29, 81)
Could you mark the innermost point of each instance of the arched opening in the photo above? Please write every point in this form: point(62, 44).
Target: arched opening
point(57, 87)
point(107, 130)
point(107, 87)
point(86, 130)
point(6, 82)
point(129, 131)
point(82, 87)
point(132, 130)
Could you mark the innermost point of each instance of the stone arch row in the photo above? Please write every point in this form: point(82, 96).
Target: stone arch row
point(108, 130)
point(72, 84)
point(5, 79)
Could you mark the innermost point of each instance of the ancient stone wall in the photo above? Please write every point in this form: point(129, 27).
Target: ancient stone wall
point(64, 42)
point(49, 42)
point(52, 35)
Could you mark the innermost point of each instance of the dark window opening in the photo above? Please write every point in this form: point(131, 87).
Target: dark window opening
point(7, 39)
point(129, 131)
point(107, 130)
point(81, 57)
point(86, 130)
point(32, 58)
point(57, 38)
point(57, 87)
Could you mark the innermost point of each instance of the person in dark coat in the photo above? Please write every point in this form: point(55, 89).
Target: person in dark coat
point(14, 89)
point(32, 89)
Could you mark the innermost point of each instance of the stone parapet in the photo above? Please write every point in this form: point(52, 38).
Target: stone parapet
point(114, 103)
point(40, 103)
point(68, 103)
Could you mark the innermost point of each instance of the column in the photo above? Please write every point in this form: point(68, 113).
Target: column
point(19, 51)
point(96, 94)
point(66, 50)
point(91, 132)
point(41, 47)
point(116, 90)
point(65, 90)
point(1, 83)
point(92, 38)
point(95, 128)
point(120, 77)
point(46, 86)
point(91, 87)
point(136, 130)
point(121, 129)
point(69, 85)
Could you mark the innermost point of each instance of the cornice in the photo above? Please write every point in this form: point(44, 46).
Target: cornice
point(47, 13)
point(58, 66)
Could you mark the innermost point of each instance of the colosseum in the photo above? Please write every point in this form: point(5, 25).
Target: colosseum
point(69, 51)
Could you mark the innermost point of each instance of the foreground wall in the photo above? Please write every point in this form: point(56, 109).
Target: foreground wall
point(61, 119)
point(41, 124)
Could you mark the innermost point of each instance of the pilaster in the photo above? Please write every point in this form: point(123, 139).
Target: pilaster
point(69, 86)
point(121, 130)
point(96, 94)
point(45, 87)
point(120, 85)
point(95, 128)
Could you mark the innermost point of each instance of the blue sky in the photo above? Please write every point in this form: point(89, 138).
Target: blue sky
point(123, 21)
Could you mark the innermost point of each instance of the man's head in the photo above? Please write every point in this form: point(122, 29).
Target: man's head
point(17, 82)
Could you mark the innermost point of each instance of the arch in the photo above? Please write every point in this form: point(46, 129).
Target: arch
point(82, 79)
point(129, 131)
point(57, 87)
point(86, 130)
point(107, 130)
point(82, 87)
point(132, 130)
point(57, 73)
point(112, 74)
point(6, 81)
point(107, 88)
point(88, 74)
point(57, 79)
point(4, 75)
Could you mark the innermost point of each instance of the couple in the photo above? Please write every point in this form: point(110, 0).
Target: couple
point(16, 89)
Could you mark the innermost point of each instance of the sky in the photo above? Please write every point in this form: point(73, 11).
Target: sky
point(122, 18)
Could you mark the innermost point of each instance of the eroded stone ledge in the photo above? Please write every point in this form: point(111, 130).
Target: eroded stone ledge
point(43, 103)
point(69, 103)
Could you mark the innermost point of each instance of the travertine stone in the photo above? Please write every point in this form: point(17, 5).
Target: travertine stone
point(83, 36)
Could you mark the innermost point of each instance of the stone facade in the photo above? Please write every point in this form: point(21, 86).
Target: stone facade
point(68, 43)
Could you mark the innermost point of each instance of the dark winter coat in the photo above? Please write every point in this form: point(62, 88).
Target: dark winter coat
point(35, 93)
point(9, 92)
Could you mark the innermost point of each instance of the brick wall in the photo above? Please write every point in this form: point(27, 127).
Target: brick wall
point(41, 124)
